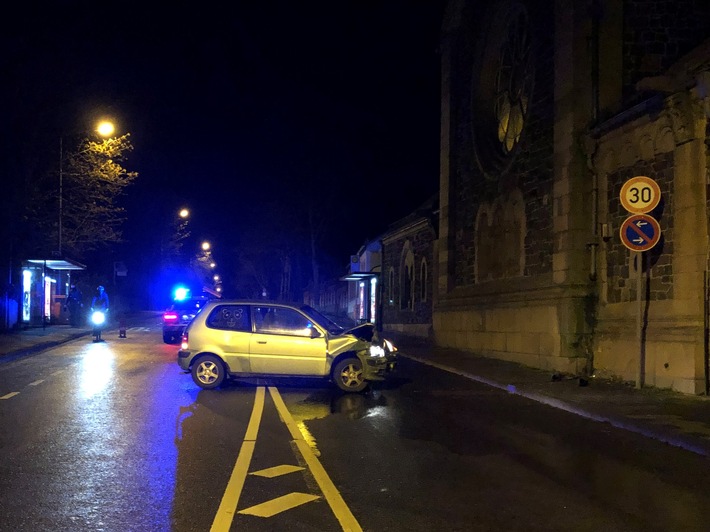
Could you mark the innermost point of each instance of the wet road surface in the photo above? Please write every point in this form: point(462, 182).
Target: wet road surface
point(113, 436)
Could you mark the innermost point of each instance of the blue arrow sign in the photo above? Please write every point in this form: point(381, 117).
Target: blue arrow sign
point(640, 232)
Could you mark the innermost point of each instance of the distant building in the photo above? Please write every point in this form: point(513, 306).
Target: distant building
point(364, 303)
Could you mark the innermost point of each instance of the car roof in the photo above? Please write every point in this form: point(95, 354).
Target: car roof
point(254, 302)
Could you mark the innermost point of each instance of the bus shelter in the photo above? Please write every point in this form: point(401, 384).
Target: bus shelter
point(45, 285)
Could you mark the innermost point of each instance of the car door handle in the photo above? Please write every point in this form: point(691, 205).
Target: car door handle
point(261, 341)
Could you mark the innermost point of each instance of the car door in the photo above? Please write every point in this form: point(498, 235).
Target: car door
point(284, 343)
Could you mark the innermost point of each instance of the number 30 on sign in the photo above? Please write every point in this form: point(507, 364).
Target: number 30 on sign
point(640, 195)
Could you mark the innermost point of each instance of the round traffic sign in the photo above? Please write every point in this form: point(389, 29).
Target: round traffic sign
point(640, 232)
point(640, 194)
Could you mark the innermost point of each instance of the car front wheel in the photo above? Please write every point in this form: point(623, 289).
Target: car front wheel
point(208, 372)
point(348, 375)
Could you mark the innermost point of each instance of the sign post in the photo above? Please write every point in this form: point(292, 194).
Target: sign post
point(639, 233)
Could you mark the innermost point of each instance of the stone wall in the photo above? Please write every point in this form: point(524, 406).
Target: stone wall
point(420, 239)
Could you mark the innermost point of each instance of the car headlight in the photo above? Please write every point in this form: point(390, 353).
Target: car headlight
point(390, 346)
point(98, 318)
point(377, 351)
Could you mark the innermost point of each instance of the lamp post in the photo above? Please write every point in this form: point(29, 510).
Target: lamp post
point(206, 267)
point(61, 190)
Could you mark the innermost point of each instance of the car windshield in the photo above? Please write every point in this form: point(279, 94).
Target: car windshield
point(323, 321)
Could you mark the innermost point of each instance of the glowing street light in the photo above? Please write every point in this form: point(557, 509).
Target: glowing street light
point(205, 246)
point(184, 213)
point(105, 128)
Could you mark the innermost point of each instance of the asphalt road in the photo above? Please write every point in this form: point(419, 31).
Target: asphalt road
point(113, 436)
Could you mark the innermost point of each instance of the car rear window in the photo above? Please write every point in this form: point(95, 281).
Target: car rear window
point(230, 317)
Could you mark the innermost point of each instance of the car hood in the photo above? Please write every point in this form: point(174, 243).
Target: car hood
point(364, 331)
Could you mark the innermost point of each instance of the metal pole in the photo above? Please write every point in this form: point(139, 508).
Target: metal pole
point(61, 191)
point(706, 331)
point(639, 321)
point(44, 294)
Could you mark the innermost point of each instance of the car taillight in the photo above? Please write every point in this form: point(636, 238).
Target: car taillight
point(170, 316)
point(183, 342)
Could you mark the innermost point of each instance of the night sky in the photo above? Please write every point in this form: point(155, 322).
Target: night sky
point(243, 112)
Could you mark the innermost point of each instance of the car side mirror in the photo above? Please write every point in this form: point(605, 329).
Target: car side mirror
point(315, 333)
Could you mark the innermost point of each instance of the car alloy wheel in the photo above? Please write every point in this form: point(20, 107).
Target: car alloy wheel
point(208, 372)
point(349, 376)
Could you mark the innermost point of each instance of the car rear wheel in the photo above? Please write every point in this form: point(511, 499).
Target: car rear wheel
point(208, 372)
point(348, 375)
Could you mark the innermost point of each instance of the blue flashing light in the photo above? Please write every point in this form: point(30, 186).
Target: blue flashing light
point(181, 293)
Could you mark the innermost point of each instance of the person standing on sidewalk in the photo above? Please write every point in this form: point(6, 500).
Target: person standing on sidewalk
point(75, 304)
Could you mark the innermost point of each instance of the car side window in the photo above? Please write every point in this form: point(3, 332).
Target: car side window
point(279, 320)
point(230, 317)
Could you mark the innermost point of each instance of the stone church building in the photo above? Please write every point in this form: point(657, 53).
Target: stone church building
point(547, 109)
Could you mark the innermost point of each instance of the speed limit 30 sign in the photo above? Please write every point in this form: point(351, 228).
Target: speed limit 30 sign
point(640, 195)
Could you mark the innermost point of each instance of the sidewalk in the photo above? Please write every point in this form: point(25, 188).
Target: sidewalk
point(671, 417)
point(17, 343)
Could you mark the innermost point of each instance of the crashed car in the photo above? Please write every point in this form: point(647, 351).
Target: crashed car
point(255, 338)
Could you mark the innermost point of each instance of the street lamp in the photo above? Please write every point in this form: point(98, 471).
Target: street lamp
point(105, 129)
point(181, 232)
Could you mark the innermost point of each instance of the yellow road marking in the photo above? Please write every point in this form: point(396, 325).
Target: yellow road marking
point(225, 513)
point(11, 394)
point(280, 504)
point(277, 471)
point(35, 383)
point(332, 495)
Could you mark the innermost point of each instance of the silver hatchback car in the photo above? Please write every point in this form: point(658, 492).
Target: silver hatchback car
point(256, 338)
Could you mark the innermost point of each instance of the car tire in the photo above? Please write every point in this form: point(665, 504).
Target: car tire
point(208, 372)
point(349, 376)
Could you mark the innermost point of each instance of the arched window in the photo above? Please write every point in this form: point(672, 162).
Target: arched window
point(407, 277)
point(424, 280)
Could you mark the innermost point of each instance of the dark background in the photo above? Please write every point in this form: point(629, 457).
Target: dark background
point(249, 114)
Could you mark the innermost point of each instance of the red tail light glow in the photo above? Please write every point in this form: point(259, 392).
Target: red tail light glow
point(170, 316)
point(183, 342)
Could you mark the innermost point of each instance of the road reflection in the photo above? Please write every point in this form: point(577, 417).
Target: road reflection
point(96, 369)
